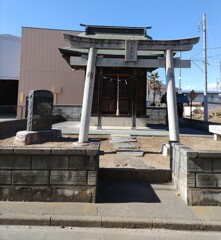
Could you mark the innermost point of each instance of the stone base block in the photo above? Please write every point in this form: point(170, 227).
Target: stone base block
point(216, 129)
point(165, 150)
point(48, 194)
point(217, 137)
point(32, 137)
point(203, 197)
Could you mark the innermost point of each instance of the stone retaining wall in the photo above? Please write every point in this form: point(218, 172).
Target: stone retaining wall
point(68, 112)
point(197, 124)
point(49, 174)
point(12, 126)
point(156, 115)
point(197, 175)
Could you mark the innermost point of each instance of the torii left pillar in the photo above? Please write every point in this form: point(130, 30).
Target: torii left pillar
point(88, 96)
point(171, 98)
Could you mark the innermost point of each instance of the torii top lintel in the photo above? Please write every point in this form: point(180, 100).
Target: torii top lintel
point(119, 44)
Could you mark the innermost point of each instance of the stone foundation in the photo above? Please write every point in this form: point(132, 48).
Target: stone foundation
point(156, 115)
point(118, 121)
point(197, 175)
point(49, 174)
point(12, 126)
point(31, 137)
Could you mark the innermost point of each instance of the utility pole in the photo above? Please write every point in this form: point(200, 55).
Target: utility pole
point(205, 69)
point(219, 77)
point(180, 75)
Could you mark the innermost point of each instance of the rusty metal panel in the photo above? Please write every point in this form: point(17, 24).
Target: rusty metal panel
point(42, 67)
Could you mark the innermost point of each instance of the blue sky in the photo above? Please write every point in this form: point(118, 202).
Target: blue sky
point(170, 19)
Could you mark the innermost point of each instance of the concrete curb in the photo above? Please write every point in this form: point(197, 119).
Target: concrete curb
point(76, 221)
point(25, 219)
point(109, 222)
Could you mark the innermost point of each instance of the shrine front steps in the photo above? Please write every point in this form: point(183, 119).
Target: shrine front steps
point(126, 145)
point(133, 168)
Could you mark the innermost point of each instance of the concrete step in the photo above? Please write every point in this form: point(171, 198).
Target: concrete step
point(125, 174)
point(118, 121)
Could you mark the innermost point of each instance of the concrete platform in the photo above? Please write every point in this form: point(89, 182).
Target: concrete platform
point(119, 121)
point(72, 127)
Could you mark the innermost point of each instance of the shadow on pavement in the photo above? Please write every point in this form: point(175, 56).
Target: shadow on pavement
point(192, 131)
point(116, 191)
point(182, 130)
point(157, 126)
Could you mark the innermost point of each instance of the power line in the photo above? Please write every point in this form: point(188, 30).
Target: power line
point(201, 59)
point(214, 48)
point(198, 67)
point(213, 27)
point(196, 54)
point(214, 65)
point(197, 59)
point(215, 55)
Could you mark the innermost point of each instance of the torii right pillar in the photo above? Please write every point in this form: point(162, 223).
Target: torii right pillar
point(171, 98)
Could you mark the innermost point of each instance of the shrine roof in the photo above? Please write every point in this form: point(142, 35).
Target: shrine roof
point(115, 32)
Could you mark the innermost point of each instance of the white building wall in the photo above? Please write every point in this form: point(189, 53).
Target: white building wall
point(10, 51)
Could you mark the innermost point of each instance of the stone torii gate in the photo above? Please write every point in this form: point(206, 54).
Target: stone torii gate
point(131, 48)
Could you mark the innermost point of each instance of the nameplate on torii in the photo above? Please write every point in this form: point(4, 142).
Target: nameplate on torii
point(130, 50)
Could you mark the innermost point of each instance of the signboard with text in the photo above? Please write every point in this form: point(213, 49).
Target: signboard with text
point(131, 51)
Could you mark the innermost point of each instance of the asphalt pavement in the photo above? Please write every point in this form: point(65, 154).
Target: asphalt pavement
point(70, 233)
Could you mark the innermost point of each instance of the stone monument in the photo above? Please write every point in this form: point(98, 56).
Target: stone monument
point(40, 106)
point(39, 121)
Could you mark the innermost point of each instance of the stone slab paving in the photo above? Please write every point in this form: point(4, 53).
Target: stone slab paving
point(117, 135)
point(130, 162)
point(125, 145)
point(131, 152)
point(138, 163)
point(122, 140)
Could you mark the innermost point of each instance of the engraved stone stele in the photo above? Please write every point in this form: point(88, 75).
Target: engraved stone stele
point(39, 122)
point(40, 105)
